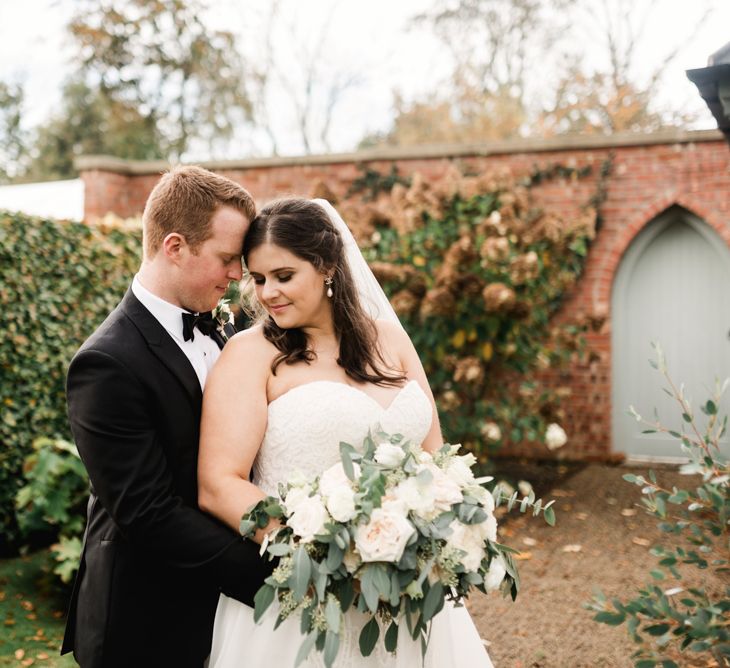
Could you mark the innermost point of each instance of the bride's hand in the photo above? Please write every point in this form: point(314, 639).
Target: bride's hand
point(269, 530)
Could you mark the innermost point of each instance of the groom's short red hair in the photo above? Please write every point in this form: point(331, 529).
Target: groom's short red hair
point(184, 200)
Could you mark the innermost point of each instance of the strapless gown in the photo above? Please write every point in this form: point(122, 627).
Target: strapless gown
point(305, 427)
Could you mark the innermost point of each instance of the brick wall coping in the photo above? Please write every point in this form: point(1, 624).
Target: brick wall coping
point(107, 163)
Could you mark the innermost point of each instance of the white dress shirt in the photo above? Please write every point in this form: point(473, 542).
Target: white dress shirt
point(202, 351)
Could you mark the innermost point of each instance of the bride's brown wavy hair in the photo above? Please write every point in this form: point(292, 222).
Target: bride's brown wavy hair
point(304, 228)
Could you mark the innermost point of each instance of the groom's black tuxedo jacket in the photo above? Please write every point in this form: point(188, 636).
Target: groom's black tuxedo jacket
point(152, 564)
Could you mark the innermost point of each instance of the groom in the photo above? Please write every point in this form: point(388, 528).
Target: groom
point(153, 564)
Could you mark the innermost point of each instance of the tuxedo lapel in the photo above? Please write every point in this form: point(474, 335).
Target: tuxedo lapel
point(163, 346)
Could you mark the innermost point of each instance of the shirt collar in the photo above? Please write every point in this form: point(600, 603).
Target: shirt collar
point(168, 315)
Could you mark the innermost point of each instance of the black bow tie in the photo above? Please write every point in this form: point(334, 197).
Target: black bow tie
point(203, 321)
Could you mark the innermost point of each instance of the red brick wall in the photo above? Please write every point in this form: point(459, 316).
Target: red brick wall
point(690, 170)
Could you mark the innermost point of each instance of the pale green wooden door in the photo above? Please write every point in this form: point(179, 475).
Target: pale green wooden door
point(673, 287)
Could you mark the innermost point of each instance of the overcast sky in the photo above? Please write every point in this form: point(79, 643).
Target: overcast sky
point(370, 38)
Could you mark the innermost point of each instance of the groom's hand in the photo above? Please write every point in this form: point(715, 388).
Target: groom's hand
point(246, 570)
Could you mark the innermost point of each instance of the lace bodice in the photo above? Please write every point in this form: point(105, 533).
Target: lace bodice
point(303, 435)
point(307, 423)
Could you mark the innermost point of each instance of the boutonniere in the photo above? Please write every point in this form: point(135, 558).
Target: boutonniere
point(223, 316)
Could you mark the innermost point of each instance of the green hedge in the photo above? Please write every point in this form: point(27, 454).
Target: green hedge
point(58, 280)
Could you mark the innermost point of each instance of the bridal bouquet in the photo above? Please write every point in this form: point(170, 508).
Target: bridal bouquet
point(392, 531)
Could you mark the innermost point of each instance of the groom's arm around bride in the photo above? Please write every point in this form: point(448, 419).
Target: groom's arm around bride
point(153, 564)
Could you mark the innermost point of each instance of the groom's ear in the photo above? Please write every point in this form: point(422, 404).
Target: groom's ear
point(173, 246)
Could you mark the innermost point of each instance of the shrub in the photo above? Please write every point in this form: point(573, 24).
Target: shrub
point(475, 270)
point(58, 281)
point(54, 497)
point(669, 621)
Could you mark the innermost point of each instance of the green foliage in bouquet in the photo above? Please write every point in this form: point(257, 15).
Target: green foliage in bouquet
point(58, 281)
point(669, 622)
point(392, 532)
point(54, 497)
point(476, 269)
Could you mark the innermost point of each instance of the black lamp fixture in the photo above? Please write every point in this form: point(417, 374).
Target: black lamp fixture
point(713, 82)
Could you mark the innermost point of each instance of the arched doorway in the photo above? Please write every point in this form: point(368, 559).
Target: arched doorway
point(672, 286)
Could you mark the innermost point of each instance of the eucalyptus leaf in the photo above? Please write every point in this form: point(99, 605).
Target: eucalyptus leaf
point(279, 549)
point(610, 618)
point(549, 515)
point(369, 588)
point(346, 593)
point(333, 615)
point(346, 452)
point(335, 555)
point(331, 646)
point(369, 637)
point(262, 600)
point(305, 648)
point(391, 637)
point(302, 565)
point(433, 601)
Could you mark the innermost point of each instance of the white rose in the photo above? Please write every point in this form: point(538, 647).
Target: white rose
point(458, 470)
point(488, 528)
point(467, 538)
point(341, 504)
point(446, 491)
point(294, 497)
point(416, 497)
point(384, 536)
point(483, 496)
point(309, 518)
point(392, 502)
point(389, 455)
point(555, 437)
point(491, 431)
point(487, 501)
point(469, 459)
point(495, 574)
point(479, 493)
point(335, 477)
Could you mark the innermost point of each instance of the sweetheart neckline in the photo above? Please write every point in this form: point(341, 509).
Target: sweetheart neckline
point(352, 387)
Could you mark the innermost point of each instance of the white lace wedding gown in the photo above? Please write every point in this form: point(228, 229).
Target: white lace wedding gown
point(305, 427)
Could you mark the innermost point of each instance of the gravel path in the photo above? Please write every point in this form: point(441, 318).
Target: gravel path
point(598, 542)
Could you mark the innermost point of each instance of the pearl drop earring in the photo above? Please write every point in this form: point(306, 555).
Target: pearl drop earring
point(328, 283)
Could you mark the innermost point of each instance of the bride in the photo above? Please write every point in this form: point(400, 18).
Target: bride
point(328, 361)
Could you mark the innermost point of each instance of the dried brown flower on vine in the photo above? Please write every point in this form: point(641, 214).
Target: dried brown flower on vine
point(469, 370)
point(387, 272)
point(415, 281)
point(495, 249)
point(498, 297)
point(320, 190)
point(585, 224)
point(460, 254)
point(449, 400)
point(469, 285)
point(524, 268)
point(404, 302)
point(438, 302)
point(492, 225)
